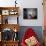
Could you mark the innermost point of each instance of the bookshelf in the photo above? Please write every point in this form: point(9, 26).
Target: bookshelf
point(9, 22)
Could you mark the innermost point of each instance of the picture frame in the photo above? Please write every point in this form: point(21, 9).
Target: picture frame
point(5, 12)
point(10, 20)
point(30, 13)
point(13, 12)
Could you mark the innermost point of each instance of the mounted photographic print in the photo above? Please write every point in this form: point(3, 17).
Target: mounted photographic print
point(5, 12)
point(9, 20)
point(30, 13)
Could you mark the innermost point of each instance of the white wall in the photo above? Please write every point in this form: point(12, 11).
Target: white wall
point(32, 4)
point(26, 4)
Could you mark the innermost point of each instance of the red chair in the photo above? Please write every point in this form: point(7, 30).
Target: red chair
point(29, 33)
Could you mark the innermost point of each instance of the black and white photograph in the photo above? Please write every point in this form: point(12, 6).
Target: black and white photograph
point(30, 13)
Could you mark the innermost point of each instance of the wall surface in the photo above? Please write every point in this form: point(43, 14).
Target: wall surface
point(44, 13)
point(26, 4)
point(32, 4)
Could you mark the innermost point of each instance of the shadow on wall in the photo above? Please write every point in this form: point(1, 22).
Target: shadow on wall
point(37, 29)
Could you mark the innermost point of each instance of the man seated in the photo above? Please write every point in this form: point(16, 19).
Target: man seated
point(30, 38)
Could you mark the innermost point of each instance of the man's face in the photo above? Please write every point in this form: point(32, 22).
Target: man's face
point(31, 41)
